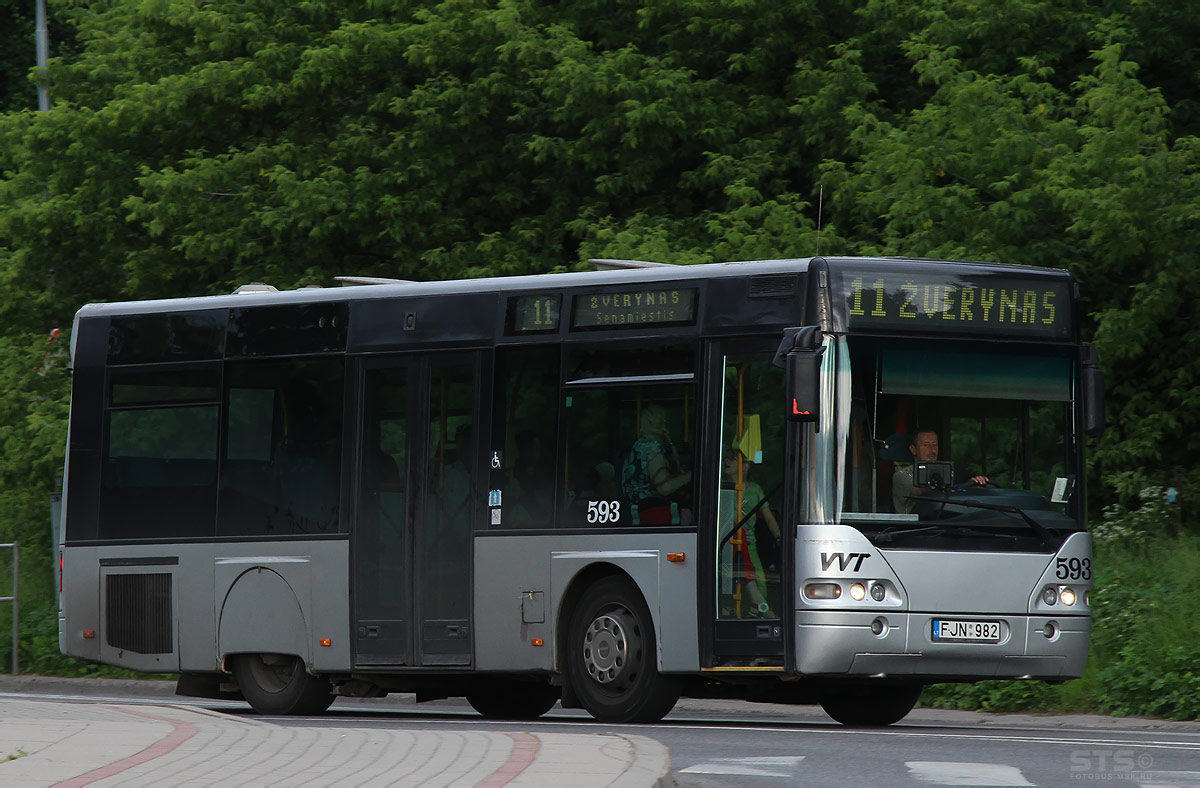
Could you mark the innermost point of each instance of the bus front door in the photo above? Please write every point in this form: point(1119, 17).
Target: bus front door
point(415, 508)
point(747, 585)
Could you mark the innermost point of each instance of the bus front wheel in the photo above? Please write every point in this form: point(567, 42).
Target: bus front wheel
point(611, 656)
point(869, 704)
point(279, 684)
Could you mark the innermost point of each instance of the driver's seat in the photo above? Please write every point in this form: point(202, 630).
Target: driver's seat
point(895, 448)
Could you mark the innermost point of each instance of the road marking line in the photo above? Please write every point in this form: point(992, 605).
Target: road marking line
point(1167, 779)
point(748, 767)
point(952, 773)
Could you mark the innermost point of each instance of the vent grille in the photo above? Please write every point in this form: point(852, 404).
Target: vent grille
point(138, 613)
point(773, 286)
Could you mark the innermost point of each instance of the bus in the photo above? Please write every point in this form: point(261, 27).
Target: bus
point(826, 480)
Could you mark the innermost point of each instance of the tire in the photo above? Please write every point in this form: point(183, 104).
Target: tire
point(513, 700)
point(869, 704)
point(611, 656)
point(279, 684)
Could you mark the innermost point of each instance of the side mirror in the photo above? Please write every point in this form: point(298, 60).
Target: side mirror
point(800, 354)
point(1093, 392)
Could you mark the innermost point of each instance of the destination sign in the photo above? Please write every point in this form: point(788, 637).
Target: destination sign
point(957, 303)
point(669, 307)
point(533, 314)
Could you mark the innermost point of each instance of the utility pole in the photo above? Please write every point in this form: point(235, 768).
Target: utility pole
point(43, 54)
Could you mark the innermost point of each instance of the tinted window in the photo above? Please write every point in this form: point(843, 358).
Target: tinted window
point(162, 388)
point(160, 460)
point(623, 362)
point(444, 533)
point(281, 472)
point(287, 330)
point(524, 428)
point(181, 336)
point(629, 456)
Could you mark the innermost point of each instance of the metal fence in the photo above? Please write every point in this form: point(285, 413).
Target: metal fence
point(16, 639)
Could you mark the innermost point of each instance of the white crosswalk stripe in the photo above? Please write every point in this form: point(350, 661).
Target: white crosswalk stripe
point(944, 773)
point(784, 766)
point(951, 773)
point(1168, 779)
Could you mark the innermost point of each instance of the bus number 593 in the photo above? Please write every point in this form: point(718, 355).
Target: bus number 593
point(603, 511)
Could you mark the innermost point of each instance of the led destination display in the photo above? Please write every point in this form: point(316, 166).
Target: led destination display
point(533, 314)
point(955, 303)
point(672, 306)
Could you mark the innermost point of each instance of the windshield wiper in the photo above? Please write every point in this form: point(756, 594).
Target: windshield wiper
point(1042, 532)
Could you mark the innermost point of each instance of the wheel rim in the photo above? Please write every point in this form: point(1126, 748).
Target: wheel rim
point(272, 672)
point(611, 646)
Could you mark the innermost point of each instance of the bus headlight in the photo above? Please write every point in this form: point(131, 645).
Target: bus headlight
point(857, 592)
point(1050, 595)
point(1067, 595)
point(823, 591)
point(878, 592)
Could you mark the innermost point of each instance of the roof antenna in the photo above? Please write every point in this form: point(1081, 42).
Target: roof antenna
point(820, 206)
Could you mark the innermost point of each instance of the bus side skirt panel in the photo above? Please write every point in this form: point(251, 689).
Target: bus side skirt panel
point(526, 602)
point(668, 588)
point(272, 604)
point(261, 614)
point(80, 609)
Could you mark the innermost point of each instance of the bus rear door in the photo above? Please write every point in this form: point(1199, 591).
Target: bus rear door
point(415, 509)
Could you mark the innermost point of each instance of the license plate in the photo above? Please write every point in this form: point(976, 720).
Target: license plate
point(960, 631)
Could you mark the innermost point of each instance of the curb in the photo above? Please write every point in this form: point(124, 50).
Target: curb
point(651, 764)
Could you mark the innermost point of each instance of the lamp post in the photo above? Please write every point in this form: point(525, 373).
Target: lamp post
point(43, 53)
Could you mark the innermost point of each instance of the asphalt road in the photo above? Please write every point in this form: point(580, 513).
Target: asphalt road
point(731, 743)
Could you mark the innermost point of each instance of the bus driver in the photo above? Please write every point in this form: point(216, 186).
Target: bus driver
point(924, 448)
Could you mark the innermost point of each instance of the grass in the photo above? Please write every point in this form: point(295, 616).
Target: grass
point(1145, 654)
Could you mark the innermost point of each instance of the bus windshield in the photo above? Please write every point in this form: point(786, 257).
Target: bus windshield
point(953, 442)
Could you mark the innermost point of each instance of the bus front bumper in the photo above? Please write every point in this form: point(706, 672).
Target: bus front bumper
point(842, 643)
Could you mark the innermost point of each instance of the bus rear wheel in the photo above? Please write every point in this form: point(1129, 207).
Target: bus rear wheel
point(279, 684)
point(611, 656)
point(869, 704)
point(513, 700)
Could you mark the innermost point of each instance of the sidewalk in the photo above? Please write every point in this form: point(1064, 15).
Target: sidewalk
point(75, 744)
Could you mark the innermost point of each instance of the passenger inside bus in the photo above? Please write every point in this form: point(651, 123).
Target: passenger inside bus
point(652, 474)
point(757, 569)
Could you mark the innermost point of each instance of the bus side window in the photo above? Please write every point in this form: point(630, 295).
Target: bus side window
point(524, 424)
point(628, 459)
point(160, 454)
point(281, 471)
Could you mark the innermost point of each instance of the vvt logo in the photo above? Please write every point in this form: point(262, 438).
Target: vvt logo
point(843, 560)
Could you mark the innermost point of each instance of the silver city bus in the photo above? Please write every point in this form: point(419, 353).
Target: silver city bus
point(831, 480)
